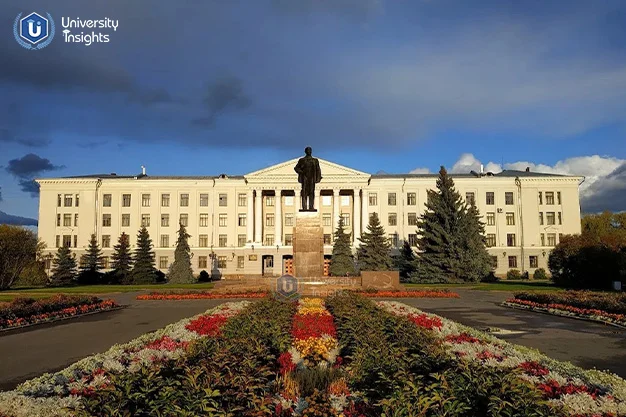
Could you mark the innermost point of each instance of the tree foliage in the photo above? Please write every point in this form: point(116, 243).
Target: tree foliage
point(64, 268)
point(374, 252)
point(122, 259)
point(91, 262)
point(406, 262)
point(342, 262)
point(19, 247)
point(144, 271)
point(180, 271)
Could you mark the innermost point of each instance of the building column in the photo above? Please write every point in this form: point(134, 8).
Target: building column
point(336, 213)
point(365, 216)
point(278, 219)
point(316, 202)
point(258, 214)
point(356, 218)
point(250, 217)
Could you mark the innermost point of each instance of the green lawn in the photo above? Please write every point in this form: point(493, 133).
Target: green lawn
point(496, 286)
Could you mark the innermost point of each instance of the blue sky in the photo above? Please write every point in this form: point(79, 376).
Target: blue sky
point(209, 87)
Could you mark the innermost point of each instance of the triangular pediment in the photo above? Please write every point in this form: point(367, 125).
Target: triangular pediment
point(285, 171)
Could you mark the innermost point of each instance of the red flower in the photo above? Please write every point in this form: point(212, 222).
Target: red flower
point(207, 325)
point(462, 338)
point(533, 368)
point(425, 321)
point(305, 326)
point(286, 363)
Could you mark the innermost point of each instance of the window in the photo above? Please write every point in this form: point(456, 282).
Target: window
point(67, 220)
point(204, 219)
point(558, 197)
point(490, 198)
point(510, 219)
point(203, 241)
point(67, 240)
point(106, 220)
point(540, 218)
point(57, 241)
point(242, 200)
point(105, 262)
point(221, 262)
point(491, 219)
point(223, 241)
point(145, 200)
point(510, 239)
point(392, 219)
point(240, 262)
point(269, 200)
point(125, 220)
point(558, 215)
point(106, 200)
point(550, 218)
point(223, 200)
point(77, 196)
point(412, 219)
point(163, 262)
point(533, 261)
point(125, 200)
point(59, 200)
point(289, 219)
point(491, 240)
point(106, 241)
point(512, 261)
point(269, 262)
point(288, 239)
point(165, 241)
point(326, 219)
point(413, 239)
point(494, 262)
point(470, 198)
point(551, 239)
point(76, 219)
point(327, 239)
point(269, 219)
point(223, 219)
point(184, 200)
point(560, 237)
point(58, 220)
point(241, 240)
point(327, 200)
point(373, 199)
point(508, 198)
point(75, 240)
point(165, 220)
point(391, 199)
point(68, 200)
point(145, 220)
point(393, 239)
point(345, 200)
point(202, 261)
point(269, 240)
point(184, 220)
point(289, 200)
point(411, 199)
point(165, 200)
point(543, 239)
point(346, 219)
point(549, 197)
point(540, 198)
point(242, 219)
point(204, 200)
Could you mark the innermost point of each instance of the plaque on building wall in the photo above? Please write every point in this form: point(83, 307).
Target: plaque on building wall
point(252, 257)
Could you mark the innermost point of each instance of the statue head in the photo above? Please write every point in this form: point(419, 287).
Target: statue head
point(308, 151)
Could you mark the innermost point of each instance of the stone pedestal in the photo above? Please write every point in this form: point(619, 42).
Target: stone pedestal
point(308, 245)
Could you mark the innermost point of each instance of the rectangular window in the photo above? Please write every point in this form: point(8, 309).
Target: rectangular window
point(345, 201)
point(491, 240)
point(533, 261)
point(327, 239)
point(470, 198)
point(327, 200)
point(125, 220)
point(373, 199)
point(67, 241)
point(494, 262)
point(223, 220)
point(145, 220)
point(68, 200)
point(269, 240)
point(184, 200)
point(508, 198)
point(75, 240)
point(240, 262)
point(550, 218)
point(510, 239)
point(106, 220)
point(543, 239)
point(204, 219)
point(145, 200)
point(550, 197)
point(346, 219)
point(59, 198)
point(540, 218)
point(269, 219)
point(491, 219)
point(326, 219)
point(551, 239)
point(58, 220)
point(289, 219)
point(223, 241)
point(391, 199)
point(184, 219)
point(223, 200)
point(106, 200)
point(77, 197)
point(165, 200)
point(106, 241)
point(242, 219)
point(392, 219)
point(558, 197)
point(202, 261)
point(269, 201)
point(204, 200)
point(540, 198)
point(393, 239)
point(412, 219)
point(57, 241)
point(165, 220)
point(242, 200)
point(105, 262)
point(165, 241)
point(289, 239)
point(125, 200)
point(411, 199)
point(560, 219)
point(490, 198)
point(269, 262)
point(203, 241)
point(510, 219)
point(512, 261)
point(163, 262)
point(67, 220)
point(76, 219)
point(221, 262)
point(413, 239)
point(289, 200)
point(241, 240)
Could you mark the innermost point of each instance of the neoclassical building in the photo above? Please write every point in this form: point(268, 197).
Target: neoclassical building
point(244, 224)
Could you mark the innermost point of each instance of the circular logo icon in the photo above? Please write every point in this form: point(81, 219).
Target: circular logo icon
point(33, 31)
point(287, 287)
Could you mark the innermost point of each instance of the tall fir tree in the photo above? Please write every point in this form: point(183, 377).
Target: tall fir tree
point(91, 263)
point(406, 262)
point(342, 262)
point(374, 253)
point(122, 261)
point(474, 252)
point(143, 271)
point(180, 271)
point(63, 268)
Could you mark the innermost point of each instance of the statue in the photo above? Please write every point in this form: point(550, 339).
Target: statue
point(309, 174)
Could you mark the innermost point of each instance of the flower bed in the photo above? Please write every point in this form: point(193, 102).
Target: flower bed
point(410, 294)
point(198, 295)
point(28, 311)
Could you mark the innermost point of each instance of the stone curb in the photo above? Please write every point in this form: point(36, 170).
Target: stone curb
point(554, 313)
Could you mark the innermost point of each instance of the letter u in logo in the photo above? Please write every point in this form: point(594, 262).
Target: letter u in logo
point(31, 27)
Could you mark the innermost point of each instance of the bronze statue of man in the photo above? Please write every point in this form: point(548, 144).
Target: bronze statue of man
point(309, 174)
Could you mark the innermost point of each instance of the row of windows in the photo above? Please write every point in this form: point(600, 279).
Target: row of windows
point(549, 197)
point(470, 198)
point(68, 200)
point(203, 262)
point(165, 200)
point(533, 261)
point(550, 218)
point(67, 219)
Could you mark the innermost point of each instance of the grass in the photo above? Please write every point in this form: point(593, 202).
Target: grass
point(495, 286)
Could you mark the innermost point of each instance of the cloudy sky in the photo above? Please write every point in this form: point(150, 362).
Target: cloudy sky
point(231, 86)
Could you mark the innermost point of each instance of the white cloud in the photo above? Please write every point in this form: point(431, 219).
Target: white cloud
point(420, 171)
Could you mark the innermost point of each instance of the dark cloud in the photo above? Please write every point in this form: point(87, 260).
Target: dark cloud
point(226, 94)
point(9, 136)
point(608, 193)
point(92, 144)
point(0, 194)
point(26, 168)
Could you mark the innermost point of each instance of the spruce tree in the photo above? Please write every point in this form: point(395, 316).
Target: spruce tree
point(63, 267)
point(122, 259)
point(143, 271)
point(91, 263)
point(180, 271)
point(342, 262)
point(374, 252)
point(475, 256)
point(406, 261)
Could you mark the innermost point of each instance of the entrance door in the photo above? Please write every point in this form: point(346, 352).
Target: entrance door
point(268, 265)
point(326, 266)
point(288, 265)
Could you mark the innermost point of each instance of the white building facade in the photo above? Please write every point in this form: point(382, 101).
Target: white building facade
point(243, 225)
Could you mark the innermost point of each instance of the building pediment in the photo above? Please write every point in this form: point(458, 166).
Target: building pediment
point(284, 172)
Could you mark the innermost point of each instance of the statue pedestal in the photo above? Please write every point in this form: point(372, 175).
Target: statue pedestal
point(308, 245)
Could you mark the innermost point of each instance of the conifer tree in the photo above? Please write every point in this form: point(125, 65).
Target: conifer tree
point(475, 256)
point(406, 261)
point(63, 267)
point(91, 262)
point(342, 262)
point(180, 271)
point(374, 253)
point(122, 259)
point(143, 271)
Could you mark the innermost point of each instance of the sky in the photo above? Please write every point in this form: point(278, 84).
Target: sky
point(204, 87)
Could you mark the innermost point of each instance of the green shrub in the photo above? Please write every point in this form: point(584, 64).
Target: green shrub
point(525, 275)
point(540, 274)
point(33, 275)
point(204, 276)
point(513, 274)
point(609, 302)
point(490, 278)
